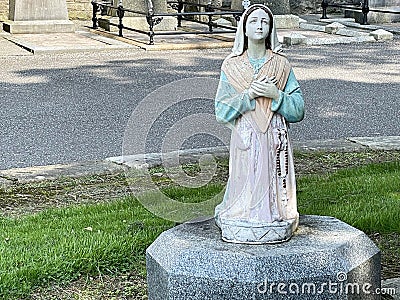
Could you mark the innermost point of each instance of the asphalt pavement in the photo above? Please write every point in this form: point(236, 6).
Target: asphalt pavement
point(70, 106)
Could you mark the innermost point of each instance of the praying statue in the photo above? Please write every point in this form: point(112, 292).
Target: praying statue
point(258, 96)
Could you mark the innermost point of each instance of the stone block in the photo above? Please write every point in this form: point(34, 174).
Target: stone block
point(4, 10)
point(294, 39)
point(348, 32)
point(38, 26)
point(335, 39)
point(3, 17)
point(286, 21)
point(333, 27)
point(336, 19)
point(3, 7)
point(160, 6)
point(139, 23)
point(302, 20)
point(312, 27)
point(34, 10)
point(80, 6)
point(38, 16)
point(375, 17)
point(325, 259)
point(222, 21)
point(81, 15)
point(381, 34)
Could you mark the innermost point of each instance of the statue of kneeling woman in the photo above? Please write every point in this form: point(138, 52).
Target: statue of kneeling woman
point(258, 95)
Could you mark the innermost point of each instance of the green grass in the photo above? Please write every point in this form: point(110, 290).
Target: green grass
point(64, 244)
point(194, 195)
point(366, 197)
point(60, 245)
point(179, 204)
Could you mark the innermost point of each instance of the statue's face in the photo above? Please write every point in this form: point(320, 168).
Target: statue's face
point(257, 25)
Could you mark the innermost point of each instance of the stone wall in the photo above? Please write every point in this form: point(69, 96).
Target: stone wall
point(77, 9)
point(3, 10)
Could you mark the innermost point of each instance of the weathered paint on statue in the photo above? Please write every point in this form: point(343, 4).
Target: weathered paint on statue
point(258, 95)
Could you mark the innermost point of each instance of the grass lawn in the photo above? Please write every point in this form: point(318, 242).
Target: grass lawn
point(366, 197)
point(65, 244)
point(61, 245)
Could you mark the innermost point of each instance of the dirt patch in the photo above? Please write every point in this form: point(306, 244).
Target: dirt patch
point(122, 287)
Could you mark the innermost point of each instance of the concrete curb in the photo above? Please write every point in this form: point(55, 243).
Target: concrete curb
point(113, 165)
point(51, 172)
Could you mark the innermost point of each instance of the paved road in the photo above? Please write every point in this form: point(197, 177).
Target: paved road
point(72, 107)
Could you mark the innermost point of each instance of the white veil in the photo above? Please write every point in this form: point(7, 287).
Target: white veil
point(238, 46)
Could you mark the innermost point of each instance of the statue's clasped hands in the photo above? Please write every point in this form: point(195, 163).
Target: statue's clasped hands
point(265, 87)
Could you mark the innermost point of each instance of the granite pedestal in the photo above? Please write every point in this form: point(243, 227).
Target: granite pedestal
point(325, 259)
point(38, 16)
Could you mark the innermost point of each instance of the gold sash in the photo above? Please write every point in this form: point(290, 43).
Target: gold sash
point(240, 74)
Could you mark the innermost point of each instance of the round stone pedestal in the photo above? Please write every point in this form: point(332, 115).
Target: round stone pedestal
point(325, 259)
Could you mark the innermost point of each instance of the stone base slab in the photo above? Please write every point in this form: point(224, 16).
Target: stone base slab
point(294, 39)
point(51, 26)
point(375, 17)
point(325, 259)
point(139, 23)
